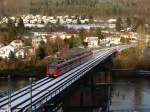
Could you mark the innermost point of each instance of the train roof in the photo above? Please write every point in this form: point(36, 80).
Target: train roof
point(62, 62)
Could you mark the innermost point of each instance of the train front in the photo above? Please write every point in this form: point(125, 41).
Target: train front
point(51, 71)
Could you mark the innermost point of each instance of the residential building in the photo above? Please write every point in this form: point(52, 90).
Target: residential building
point(20, 54)
point(92, 42)
point(26, 52)
point(6, 51)
point(17, 44)
point(36, 41)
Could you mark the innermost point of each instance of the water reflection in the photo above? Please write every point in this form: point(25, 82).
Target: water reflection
point(131, 94)
point(99, 93)
point(15, 84)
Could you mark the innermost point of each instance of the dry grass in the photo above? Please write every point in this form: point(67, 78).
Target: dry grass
point(130, 59)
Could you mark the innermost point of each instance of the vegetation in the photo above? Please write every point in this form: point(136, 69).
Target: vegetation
point(20, 27)
point(12, 31)
point(119, 24)
point(124, 40)
point(128, 21)
point(72, 42)
point(82, 34)
point(79, 7)
point(132, 58)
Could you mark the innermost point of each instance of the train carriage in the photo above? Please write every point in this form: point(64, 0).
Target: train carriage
point(54, 70)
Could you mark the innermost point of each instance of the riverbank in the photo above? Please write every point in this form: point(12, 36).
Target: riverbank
point(131, 59)
point(130, 73)
point(24, 72)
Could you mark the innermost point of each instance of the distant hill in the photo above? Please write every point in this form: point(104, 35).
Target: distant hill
point(103, 8)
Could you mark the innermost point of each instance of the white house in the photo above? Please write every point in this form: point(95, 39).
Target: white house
point(69, 21)
point(25, 52)
point(36, 41)
point(53, 21)
point(20, 54)
point(111, 20)
point(113, 40)
point(92, 42)
point(17, 44)
point(6, 51)
point(65, 35)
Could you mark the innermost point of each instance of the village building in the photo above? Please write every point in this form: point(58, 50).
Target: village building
point(20, 54)
point(25, 52)
point(37, 40)
point(92, 42)
point(17, 44)
point(6, 51)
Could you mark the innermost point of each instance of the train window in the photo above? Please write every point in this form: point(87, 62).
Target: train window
point(60, 61)
point(51, 68)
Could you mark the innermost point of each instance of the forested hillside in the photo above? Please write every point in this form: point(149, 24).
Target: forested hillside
point(96, 8)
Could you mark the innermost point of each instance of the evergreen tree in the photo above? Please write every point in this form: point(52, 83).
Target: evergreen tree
point(11, 55)
point(78, 21)
point(119, 24)
point(139, 22)
point(21, 28)
point(58, 21)
point(12, 31)
point(82, 34)
point(40, 53)
point(114, 10)
point(128, 22)
point(91, 18)
point(134, 25)
point(71, 42)
point(99, 34)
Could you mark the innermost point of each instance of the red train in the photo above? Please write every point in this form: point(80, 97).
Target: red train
point(56, 69)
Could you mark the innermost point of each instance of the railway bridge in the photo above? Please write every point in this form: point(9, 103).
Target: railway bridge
point(46, 89)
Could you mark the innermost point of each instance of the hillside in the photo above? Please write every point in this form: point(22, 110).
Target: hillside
point(98, 8)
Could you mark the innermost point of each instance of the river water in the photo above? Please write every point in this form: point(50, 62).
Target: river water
point(127, 94)
point(131, 94)
point(13, 84)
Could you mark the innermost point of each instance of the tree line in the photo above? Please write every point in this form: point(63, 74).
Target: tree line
point(96, 8)
point(132, 23)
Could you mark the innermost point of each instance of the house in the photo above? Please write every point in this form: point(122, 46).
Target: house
point(36, 41)
point(17, 44)
point(53, 21)
point(92, 42)
point(40, 33)
point(6, 51)
point(112, 40)
point(29, 52)
point(111, 20)
point(25, 52)
point(68, 21)
point(20, 54)
point(62, 35)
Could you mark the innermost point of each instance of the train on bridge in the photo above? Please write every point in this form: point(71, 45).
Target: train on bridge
point(56, 69)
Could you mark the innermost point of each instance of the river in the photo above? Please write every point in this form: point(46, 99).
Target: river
point(123, 94)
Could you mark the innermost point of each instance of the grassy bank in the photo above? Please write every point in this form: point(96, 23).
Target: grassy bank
point(131, 59)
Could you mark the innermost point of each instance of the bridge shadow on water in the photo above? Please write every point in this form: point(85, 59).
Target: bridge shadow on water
point(90, 94)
